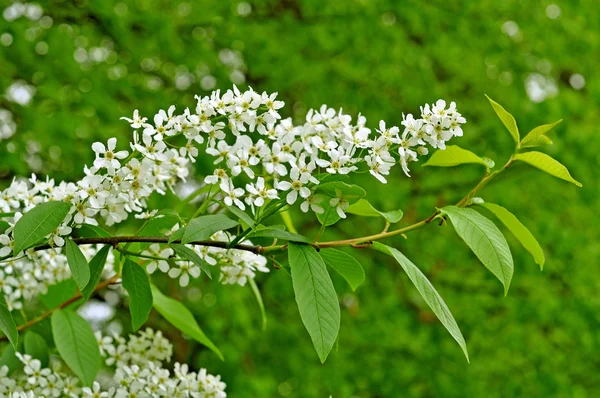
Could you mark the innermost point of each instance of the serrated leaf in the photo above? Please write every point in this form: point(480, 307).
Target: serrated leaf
point(202, 228)
point(429, 294)
point(364, 208)
point(137, 284)
point(76, 344)
point(96, 267)
point(533, 137)
point(519, 230)
point(188, 254)
point(180, 317)
point(279, 234)
point(259, 300)
point(316, 297)
point(507, 119)
point(454, 155)
point(7, 323)
point(345, 265)
point(77, 263)
point(485, 240)
point(38, 223)
point(350, 193)
point(548, 164)
point(35, 345)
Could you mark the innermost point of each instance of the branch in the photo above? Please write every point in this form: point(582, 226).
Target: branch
point(70, 301)
point(115, 240)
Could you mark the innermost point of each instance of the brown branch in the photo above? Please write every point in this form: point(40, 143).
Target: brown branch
point(115, 240)
point(70, 301)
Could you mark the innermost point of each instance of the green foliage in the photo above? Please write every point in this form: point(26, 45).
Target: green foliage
point(537, 136)
point(9, 359)
point(518, 230)
point(345, 265)
point(188, 254)
point(204, 227)
point(548, 164)
point(544, 337)
point(279, 234)
point(96, 267)
point(259, 300)
point(37, 223)
point(180, 317)
point(507, 119)
point(78, 264)
point(76, 344)
point(36, 346)
point(454, 155)
point(7, 323)
point(485, 240)
point(137, 284)
point(337, 189)
point(364, 208)
point(316, 298)
point(428, 292)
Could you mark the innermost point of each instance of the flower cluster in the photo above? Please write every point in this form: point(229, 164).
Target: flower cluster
point(236, 266)
point(258, 158)
point(26, 278)
point(134, 368)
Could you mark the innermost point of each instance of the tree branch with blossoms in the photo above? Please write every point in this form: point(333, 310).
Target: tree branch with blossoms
point(263, 166)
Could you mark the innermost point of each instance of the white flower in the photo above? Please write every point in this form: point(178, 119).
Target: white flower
point(296, 186)
point(340, 203)
point(183, 273)
point(232, 194)
point(106, 156)
point(155, 250)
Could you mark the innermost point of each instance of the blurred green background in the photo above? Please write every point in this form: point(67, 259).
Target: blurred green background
point(84, 64)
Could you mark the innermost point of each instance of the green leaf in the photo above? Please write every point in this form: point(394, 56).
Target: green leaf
point(179, 316)
point(137, 284)
point(541, 140)
point(7, 323)
point(279, 234)
point(92, 231)
point(260, 302)
point(202, 228)
point(345, 265)
point(519, 230)
point(429, 294)
point(38, 223)
point(77, 263)
point(188, 254)
point(533, 137)
point(242, 215)
point(76, 344)
point(364, 208)
point(59, 293)
point(547, 164)
point(96, 267)
point(9, 359)
point(453, 155)
point(177, 235)
point(507, 119)
point(485, 240)
point(316, 298)
point(36, 346)
point(350, 193)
